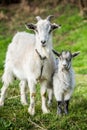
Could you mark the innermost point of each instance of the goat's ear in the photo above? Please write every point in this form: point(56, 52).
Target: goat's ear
point(30, 26)
point(75, 54)
point(54, 26)
point(56, 53)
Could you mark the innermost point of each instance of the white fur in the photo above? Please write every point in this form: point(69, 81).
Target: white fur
point(63, 81)
point(23, 62)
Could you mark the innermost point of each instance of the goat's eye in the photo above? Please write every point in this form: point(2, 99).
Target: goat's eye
point(36, 30)
point(68, 60)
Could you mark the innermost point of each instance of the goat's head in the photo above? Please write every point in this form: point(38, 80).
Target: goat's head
point(65, 58)
point(43, 29)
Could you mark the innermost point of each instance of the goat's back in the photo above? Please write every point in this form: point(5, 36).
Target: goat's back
point(21, 44)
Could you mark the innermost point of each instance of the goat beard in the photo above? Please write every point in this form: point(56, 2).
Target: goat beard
point(45, 52)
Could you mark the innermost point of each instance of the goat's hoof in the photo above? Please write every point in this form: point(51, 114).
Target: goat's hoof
point(46, 111)
point(31, 111)
point(1, 103)
point(59, 113)
point(66, 113)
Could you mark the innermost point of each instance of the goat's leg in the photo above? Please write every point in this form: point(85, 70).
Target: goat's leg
point(3, 93)
point(32, 88)
point(22, 92)
point(59, 108)
point(50, 96)
point(59, 103)
point(66, 104)
point(43, 96)
point(66, 101)
point(7, 79)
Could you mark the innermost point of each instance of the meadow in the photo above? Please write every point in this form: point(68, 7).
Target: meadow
point(72, 36)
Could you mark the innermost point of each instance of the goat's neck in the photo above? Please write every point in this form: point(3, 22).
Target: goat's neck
point(65, 74)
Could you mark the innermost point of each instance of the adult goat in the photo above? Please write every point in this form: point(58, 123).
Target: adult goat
point(30, 59)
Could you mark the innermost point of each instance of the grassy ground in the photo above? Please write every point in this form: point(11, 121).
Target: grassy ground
point(72, 36)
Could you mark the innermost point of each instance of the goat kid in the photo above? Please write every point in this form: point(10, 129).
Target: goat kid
point(30, 59)
point(64, 80)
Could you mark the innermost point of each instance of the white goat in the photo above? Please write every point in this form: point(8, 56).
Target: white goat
point(30, 59)
point(64, 80)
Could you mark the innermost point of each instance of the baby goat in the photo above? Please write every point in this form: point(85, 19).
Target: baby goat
point(64, 80)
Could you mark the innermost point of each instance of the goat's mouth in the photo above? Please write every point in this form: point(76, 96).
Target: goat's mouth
point(43, 45)
point(66, 68)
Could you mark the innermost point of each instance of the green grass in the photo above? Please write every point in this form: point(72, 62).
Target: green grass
point(72, 36)
point(14, 116)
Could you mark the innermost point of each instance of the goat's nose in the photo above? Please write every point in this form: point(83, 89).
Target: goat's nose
point(43, 42)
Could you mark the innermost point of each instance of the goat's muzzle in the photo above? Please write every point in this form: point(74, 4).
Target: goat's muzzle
point(43, 43)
